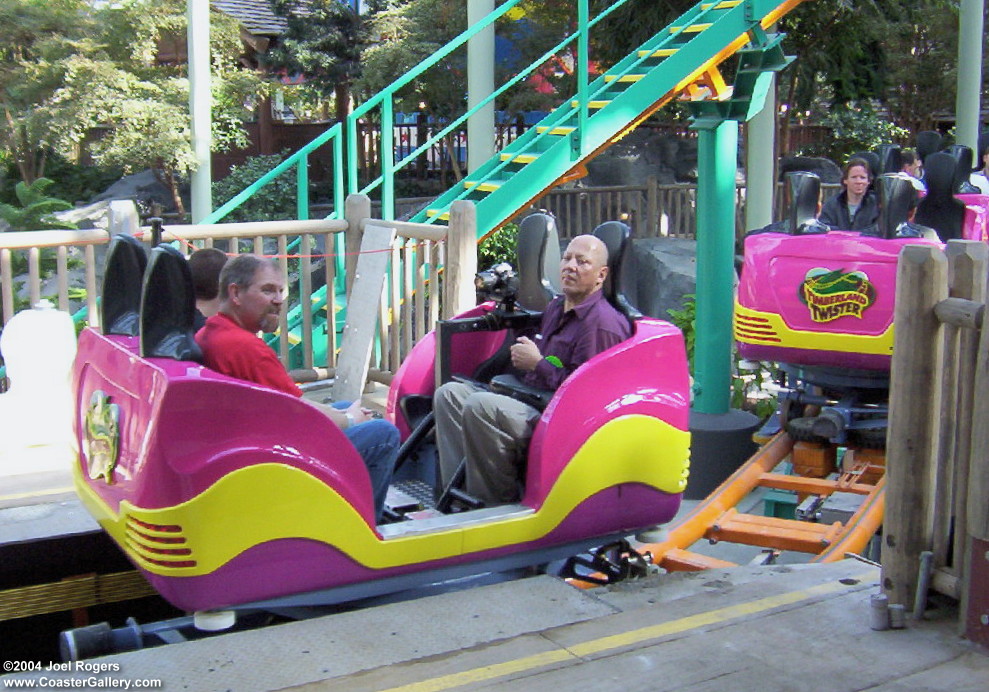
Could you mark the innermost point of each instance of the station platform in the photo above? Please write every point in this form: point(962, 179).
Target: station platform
point(743, 629)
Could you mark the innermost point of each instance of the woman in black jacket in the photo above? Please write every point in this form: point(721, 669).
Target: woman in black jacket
point(855, 208)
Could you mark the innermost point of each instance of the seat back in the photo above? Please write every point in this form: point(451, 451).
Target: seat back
point(538, 261)
point(897, 198)
point(928, 142)
point(804, 191)
point(963, 168)
point(617, 238)
point(890, 160)
point(123, 274)
point(940, 209)
point(168, 307)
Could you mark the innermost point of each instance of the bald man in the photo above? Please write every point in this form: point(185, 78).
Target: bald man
point(492, 431)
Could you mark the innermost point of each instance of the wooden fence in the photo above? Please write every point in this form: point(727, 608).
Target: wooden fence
point(936, 528)
point(415, 294)
point(651, 209)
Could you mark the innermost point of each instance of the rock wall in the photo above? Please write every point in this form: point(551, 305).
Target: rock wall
point(663, 271)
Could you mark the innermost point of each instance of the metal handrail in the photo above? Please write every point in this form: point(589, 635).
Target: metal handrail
point(385, 99)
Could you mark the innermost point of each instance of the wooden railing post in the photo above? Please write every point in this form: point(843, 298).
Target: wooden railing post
point(968, 261)
point(975, 597)
point(461, 259)
point(356, 209)
point(915, 400)
point(652, 209)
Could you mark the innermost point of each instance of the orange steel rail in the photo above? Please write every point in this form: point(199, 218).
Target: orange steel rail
point(717, 518)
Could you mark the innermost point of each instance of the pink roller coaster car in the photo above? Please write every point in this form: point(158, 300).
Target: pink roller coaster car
point(220, 507)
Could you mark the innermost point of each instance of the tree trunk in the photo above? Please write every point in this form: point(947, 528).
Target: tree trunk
point(167, 178)
point(458, 174)
point(342, 100)
point(30, 161)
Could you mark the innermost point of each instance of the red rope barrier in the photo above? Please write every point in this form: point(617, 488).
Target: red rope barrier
point(191, 246)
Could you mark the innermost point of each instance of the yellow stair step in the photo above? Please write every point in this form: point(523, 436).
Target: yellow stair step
point(658, 53)
point(623, 78)
point(562, 130)
point(483, 187)
point(436, 213)
point(522, 158)
point(590, 104)
point(692, 29)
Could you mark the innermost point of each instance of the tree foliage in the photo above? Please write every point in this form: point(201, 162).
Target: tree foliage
point(408, 34)
point(77, 68)
point(323, 42)
point(898, 55)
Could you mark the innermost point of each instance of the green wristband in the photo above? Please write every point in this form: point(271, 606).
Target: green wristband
point(554, 361)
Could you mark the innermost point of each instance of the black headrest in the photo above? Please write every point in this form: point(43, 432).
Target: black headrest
point(963, 159)
point(538, 254)
point(928, 142)
point(168, 307)
point(897, 198)
point(939, 209)
point(890, 160)
point(983, 148)
point(939, 175)
point(617, 238)
point(123, 272)
point(803, 191)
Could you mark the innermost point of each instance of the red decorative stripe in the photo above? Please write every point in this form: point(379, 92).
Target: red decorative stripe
point(164, 528)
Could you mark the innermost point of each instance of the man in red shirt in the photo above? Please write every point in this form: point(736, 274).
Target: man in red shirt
point(252, 290)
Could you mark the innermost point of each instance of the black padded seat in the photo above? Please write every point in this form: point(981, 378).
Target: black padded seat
point(963, 168)
point(897, 198)
point(168, 306)
point(123, 274)
point(538, 261)
point(804, 190)
point(538, 269)
point(890, 158)
point(928, 142)
point(802, 203)
point(940, 209)
point(617, 238)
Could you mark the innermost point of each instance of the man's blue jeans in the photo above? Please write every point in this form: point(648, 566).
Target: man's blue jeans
point(377, 443)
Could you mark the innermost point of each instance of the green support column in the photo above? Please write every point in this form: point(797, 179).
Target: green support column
point(716, 166)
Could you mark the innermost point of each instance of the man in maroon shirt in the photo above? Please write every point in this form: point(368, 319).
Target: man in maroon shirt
point(252, 290)
point(492, 431)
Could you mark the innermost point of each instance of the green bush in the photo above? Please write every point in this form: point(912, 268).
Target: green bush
point(747, 388)
point(35, 208)
point(685, 319)
point(273, 202)
point(500, 246)
point(856, 127)
point(70, 181)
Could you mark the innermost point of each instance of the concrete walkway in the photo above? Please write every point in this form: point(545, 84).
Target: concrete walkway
point(745, 629)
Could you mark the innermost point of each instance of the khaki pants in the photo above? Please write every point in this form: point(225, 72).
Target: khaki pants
point(491, 431)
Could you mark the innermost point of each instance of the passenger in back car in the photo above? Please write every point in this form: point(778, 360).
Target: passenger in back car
point(854, 208)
